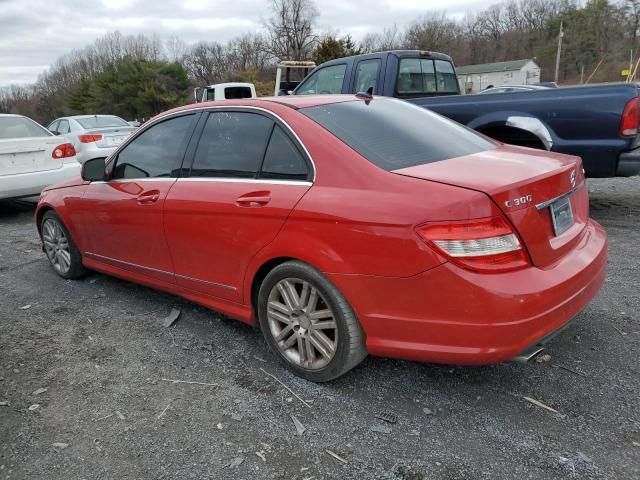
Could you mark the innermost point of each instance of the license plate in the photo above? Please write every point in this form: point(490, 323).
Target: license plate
point(115, 141)
point(561, 215)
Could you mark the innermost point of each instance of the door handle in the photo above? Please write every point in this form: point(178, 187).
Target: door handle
point(147, 198)
point(256, 199)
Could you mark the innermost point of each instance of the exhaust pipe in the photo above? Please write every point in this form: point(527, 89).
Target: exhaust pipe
point(529, 354)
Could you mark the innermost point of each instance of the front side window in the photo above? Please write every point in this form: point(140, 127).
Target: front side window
point(155, 152)
point(231, 93)
point(394, 134)
point(424, 76)
point(327, 80)
point(211, 94)
point(367, 76)
point(232, 145)
point(282, 159)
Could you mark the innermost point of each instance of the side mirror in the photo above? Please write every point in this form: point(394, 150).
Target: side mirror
point(94, 170)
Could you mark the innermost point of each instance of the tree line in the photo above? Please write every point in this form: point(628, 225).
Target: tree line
point(137, 76)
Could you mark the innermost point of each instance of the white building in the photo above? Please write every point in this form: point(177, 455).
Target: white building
point(475, 78)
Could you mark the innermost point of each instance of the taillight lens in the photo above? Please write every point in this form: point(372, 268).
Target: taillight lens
point(485, 244)
point(65, 150)
point(630, 118)
point(90, 138)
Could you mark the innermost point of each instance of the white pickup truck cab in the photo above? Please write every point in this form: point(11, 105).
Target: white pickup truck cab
point(224, 91)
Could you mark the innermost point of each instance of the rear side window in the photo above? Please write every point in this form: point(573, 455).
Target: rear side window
point(394, 134)
point(64, 126)
point(232, 145)
point(282, 159)
point(156, 151)
point(21, 127)
point(327, 80)
point(367, 76)
point(418, 76)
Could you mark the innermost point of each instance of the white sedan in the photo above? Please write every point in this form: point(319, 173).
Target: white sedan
point(31, 157)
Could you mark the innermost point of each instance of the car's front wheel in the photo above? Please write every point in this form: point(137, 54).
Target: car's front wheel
point(59, 247)
point(308, 323)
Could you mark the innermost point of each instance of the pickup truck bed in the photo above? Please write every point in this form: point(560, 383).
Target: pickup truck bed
point(582, 121)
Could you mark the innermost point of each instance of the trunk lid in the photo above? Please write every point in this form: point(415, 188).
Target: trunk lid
point(29, 154)
point(526, 185)
point(111, 136)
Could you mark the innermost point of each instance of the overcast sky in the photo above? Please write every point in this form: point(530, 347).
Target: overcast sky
point(33, 33)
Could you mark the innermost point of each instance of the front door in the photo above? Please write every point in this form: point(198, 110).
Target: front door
point(247, 175)
point(123, 217)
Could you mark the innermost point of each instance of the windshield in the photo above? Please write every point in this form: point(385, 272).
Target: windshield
point(21, 127)
point(394, 134)
point(100, 122)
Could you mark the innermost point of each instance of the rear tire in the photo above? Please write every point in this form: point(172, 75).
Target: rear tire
point(61, 251)
point(308, 323)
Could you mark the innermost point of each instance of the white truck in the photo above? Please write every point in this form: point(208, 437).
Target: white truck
point(224, 91)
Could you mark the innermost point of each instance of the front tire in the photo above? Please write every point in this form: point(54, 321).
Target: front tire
point(308, 323)
point(61, 251)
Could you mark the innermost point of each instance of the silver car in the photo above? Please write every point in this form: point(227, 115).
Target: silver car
point(93, 136)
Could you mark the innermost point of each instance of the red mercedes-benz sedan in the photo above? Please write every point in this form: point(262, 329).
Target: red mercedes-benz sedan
point(342, 226)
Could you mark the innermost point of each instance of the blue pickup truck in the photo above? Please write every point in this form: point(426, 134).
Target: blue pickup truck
point(599, 123)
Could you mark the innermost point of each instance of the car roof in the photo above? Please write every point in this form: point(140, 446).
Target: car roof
point(292, 101)
point(89, 116)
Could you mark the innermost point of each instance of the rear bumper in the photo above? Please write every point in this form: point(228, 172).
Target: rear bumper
point(454, 316)
point(89, 150)
point(31, 184)
point(629, 163)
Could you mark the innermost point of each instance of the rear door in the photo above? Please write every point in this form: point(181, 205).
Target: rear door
point(247, 175)
point(123, 217)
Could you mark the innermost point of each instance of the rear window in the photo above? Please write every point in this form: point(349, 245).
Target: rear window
point(101, 122)
point(21, 127)
point(237, 92)
point(423, 76)
point(394, 134)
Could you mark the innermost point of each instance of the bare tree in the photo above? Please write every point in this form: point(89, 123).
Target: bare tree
point(389, 39)
point(176, 48)
point(291, 29)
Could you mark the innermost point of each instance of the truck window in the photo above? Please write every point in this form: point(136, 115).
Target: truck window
point(419, 76)
point(366, 76)
point(211, 94)
point(394, 134)
point(323, 81)
point(237, 92)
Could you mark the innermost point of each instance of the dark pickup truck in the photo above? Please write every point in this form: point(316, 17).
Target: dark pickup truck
point(599, 123)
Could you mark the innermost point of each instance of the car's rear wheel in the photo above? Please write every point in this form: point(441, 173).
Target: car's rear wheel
point(59, 247)
point(308, 323)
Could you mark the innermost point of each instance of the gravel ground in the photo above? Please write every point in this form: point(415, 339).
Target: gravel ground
point(99, 349)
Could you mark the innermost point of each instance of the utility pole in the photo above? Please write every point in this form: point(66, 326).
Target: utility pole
point(558, 53)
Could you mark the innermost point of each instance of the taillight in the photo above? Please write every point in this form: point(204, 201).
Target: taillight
point(630, 118)
point(90, 138)
point(485, 244)
point(65, 150)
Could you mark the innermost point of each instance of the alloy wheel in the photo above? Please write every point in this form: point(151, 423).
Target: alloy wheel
point(302, 323)
point(56, 246)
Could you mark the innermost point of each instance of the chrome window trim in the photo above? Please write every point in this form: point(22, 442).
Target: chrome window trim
point(546, 203)
point(265, 181)
point(115, 260)
point(163, 117)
